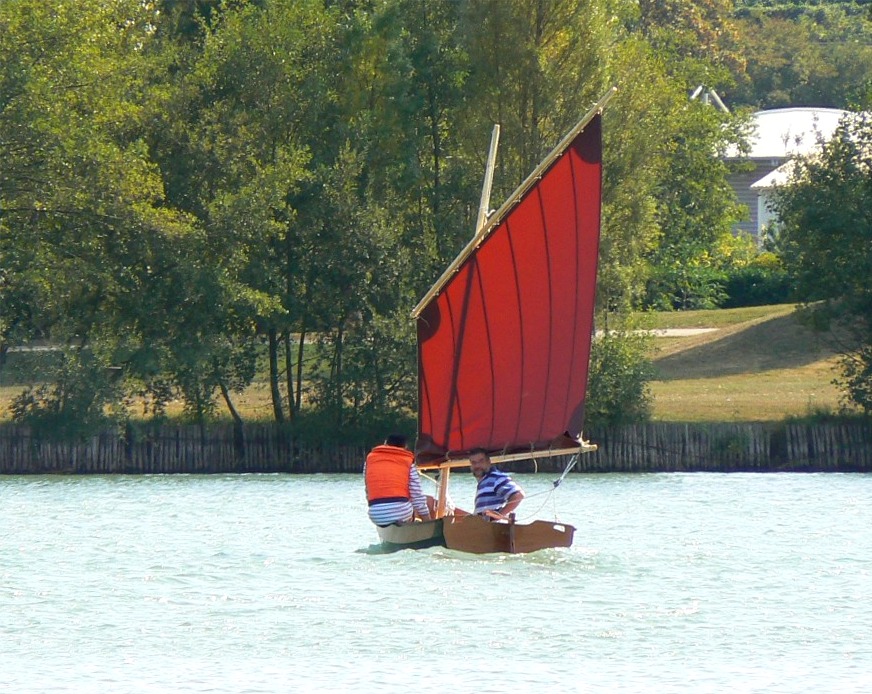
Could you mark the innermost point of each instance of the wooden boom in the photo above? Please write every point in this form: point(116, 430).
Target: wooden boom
point(585, 447)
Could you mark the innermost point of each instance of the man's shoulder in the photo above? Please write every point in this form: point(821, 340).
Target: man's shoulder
point(496, 474)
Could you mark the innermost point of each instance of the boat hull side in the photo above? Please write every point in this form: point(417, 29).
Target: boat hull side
point(479, 536)
point(412, 535)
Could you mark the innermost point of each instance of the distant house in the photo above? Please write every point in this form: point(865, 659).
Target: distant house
point(778, 136)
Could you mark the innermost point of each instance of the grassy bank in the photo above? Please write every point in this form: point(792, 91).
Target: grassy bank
point(756, 364)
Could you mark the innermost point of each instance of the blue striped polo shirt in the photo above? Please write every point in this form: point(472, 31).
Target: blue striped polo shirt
point(494, 490)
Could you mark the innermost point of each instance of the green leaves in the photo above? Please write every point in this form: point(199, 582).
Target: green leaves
point(804, 53)
point(825, 237)
point(185, 185)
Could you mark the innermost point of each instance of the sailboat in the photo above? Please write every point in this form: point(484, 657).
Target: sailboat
point(504, 342)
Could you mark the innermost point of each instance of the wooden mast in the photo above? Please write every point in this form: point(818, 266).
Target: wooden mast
point(484, 205)
point(483, 208)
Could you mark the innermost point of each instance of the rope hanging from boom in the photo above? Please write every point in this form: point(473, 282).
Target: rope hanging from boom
point(572, 461)
point(556, 483)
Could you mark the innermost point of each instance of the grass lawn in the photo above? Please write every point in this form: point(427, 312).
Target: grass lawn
point(713, 318)
point(767, 396)
point(759, 365)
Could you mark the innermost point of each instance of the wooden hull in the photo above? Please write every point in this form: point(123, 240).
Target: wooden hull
point(479, 536)
point(473, 534)
point(412, 535)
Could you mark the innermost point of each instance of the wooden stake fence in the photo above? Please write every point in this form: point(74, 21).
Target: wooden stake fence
point(829, 447)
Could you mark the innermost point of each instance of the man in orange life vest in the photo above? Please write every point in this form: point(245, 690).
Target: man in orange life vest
point(393, 487)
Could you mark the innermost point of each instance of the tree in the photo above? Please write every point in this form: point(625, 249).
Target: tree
point(190, 183)
point(816, 55)
point(240, 138)
point(825, 237)
point(696, 210)
point(620, 371)
point(683, 203)
point(78, 191)
point(699, 36)
point(538, 66)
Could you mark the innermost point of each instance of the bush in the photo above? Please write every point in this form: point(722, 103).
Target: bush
point(684, 287)
point(617, 390)
point(756, 285)
point(76, 402)
point(28, 367)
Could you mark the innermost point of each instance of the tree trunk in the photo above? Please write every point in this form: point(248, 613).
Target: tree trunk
point(289, 376)
point(298, 396)
point(238, 431)
point(337, 377)
point(278, 411)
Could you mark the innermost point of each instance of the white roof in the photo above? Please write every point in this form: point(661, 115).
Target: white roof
point(781, 133)
point(777, 177)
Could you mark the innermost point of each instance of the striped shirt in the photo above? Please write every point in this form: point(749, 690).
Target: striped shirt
point(384, 513)
point(397, 511)
point(494, 490)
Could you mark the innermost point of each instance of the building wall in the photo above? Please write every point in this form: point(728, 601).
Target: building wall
point(741, 184)
point(765, 216)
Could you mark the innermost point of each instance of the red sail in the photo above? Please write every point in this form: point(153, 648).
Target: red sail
point(504, 346)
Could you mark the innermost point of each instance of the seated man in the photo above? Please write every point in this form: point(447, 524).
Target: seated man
point(496, 495)
point(393, 487)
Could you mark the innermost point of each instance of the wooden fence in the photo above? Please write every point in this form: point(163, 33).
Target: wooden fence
point(834, 447)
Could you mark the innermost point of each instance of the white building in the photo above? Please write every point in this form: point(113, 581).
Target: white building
point(778, 136)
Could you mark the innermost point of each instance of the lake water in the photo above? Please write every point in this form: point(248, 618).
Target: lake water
point(275, 583)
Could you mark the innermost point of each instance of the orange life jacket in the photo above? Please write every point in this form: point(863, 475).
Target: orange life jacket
point(387, 473)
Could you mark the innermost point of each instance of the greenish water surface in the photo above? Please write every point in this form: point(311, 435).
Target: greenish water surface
point(275, 583)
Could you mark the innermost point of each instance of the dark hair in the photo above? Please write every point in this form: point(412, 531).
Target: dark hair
point(396, 440)
point(477, 450)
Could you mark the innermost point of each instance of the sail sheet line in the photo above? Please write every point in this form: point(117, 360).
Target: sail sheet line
point(548, 492)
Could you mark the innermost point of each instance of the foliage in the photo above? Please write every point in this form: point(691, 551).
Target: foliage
point(84, 224)
point(856, 378)
point(700, 36)
point(317, 426)
point(620, 369)
point(686, 285)
point(74, 404)
point(187, 184)
point(733, 273)
point(666, 197)
point(825, 238)
point(696, 210)
point(634, 140)
point(803, 54)
point(761, 282)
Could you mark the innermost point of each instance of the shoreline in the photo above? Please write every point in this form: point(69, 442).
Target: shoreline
point(833, 446)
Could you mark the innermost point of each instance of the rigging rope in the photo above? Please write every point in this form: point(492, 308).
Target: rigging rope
point(550, 492)
point(556, 483)
point(572, 461)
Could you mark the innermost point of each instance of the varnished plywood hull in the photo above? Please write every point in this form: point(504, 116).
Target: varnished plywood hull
point(479, 536)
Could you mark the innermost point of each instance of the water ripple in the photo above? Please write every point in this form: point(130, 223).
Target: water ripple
point(275, 583)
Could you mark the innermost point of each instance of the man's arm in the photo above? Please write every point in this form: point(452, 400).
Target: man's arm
point(511, 504)
point(419, 501)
